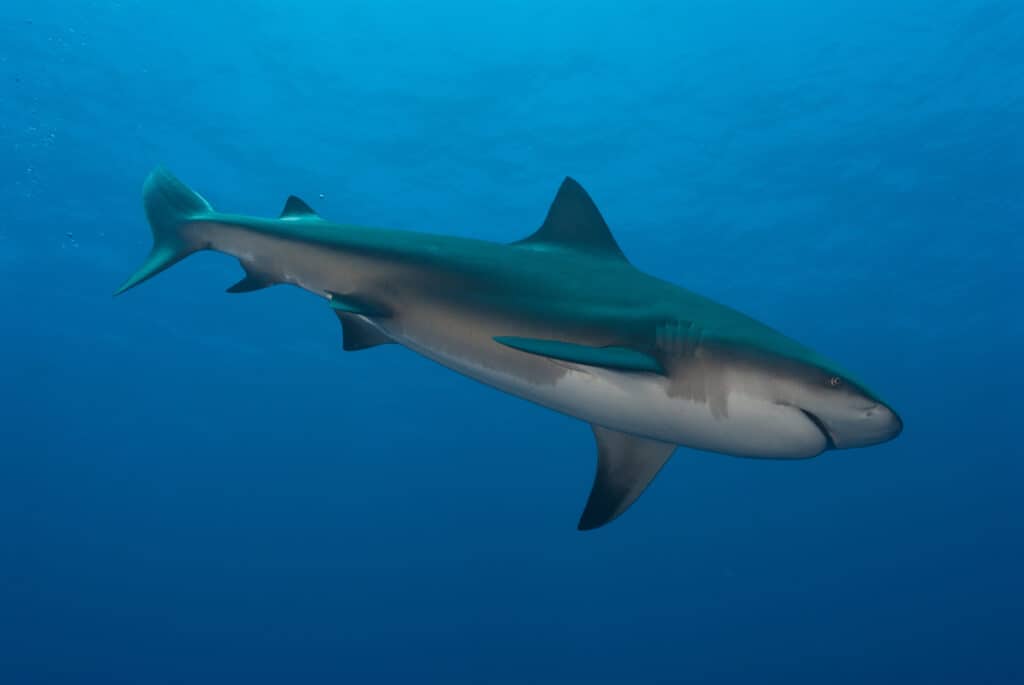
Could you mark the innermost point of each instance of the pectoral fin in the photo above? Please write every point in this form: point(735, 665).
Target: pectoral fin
point(623, 358)
point(626, 465)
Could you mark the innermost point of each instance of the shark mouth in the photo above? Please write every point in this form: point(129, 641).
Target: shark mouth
point(830, 444)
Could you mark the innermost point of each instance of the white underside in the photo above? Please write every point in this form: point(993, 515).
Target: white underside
point(639, 403)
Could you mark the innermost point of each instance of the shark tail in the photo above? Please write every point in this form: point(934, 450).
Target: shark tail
point(170, 205)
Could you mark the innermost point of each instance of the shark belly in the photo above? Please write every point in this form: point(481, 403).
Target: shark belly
point(630, 402)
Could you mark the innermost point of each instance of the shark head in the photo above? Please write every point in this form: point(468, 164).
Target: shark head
point(781, 372)
point(845, 411)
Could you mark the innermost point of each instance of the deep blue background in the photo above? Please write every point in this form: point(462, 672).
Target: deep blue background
point(198, 487)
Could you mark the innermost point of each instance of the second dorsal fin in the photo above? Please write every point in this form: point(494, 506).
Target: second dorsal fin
point(296, 208)
point(574, 222)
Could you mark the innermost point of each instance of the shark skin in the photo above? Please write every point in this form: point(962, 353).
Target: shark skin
point(561, 319)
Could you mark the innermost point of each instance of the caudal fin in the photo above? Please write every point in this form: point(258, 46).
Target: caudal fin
point(169, 205)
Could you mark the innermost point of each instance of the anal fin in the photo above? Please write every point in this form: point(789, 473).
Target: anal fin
point(251, 281)
point(626, 465)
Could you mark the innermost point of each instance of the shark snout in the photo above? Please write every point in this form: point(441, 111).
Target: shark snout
point(892, 424)
point(865, 425)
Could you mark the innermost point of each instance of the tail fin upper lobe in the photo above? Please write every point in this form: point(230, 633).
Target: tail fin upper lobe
point(169, 205)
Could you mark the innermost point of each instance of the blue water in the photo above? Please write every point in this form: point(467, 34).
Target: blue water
point(201, 487)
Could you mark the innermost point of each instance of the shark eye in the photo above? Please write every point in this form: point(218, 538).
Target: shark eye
point(835, 382)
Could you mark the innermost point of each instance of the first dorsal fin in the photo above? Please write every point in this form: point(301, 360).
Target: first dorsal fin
point(296, 208)
point(574, 222)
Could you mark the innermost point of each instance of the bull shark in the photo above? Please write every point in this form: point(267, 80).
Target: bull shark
point(560, 318)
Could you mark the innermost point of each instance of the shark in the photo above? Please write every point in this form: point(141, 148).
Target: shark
point(560, 318)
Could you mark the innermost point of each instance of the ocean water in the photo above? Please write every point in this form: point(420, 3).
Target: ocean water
point(201, 487)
